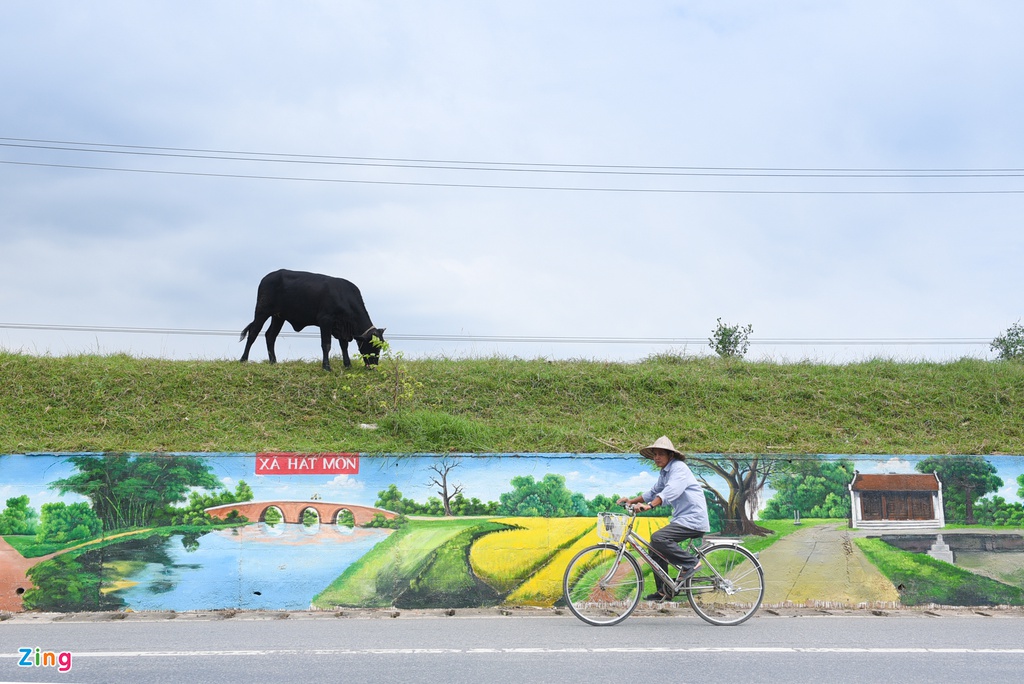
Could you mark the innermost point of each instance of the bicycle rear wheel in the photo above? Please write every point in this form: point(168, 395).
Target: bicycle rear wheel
point(728, 587)
point(601, 588)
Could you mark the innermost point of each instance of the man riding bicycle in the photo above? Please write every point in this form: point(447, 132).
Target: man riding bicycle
point(676, 487)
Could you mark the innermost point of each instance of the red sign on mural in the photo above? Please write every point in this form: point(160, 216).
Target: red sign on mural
point(306, 464)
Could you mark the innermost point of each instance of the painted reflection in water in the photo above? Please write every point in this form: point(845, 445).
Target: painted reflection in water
point(256, 567)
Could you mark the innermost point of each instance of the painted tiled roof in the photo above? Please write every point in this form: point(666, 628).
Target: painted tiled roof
point(895, 483)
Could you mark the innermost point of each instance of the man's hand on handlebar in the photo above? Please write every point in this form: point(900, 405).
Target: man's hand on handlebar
point(636, 505)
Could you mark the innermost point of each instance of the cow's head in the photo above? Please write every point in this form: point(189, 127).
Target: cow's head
point(369, 350)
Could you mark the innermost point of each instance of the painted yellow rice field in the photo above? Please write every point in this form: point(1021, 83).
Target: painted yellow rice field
point(504, 559)
point(544, 588)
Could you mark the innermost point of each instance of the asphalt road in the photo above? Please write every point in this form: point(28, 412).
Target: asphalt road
point(858, 648)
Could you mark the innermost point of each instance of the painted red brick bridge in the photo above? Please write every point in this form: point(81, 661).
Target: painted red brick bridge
point(293, 510)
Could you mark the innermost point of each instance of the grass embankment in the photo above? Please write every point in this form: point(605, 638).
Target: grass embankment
point(110, 403)
point(921, 579)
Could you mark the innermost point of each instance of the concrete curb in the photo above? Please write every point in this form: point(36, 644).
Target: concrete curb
point(673, 610)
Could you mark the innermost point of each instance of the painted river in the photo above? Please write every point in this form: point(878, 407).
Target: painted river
point(256, 567)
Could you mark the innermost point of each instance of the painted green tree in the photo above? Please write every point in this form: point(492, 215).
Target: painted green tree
point(548, 498)
point(346, 518)
point(195, 512)
point(965, 479)
point(391, 499)
point(132, 491)
point(272, 516)
point(19, 517)
point(61, 522)
point(815, 487)
point(460, 505)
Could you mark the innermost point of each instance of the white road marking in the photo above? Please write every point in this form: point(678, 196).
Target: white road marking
point(529, 651)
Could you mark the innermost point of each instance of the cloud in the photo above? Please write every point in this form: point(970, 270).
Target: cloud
point(740, 87)
point(894, 465)
point(639, 482)
point(345, 482)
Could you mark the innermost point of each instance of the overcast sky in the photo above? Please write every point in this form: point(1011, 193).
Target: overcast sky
point(524, 96)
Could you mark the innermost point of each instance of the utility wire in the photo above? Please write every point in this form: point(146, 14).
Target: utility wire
point(780, 341)
point(520, 167)
point(690, 191)
point(590, 170)
point(907, 172)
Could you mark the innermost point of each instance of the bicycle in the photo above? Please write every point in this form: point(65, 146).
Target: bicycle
point(603, 584)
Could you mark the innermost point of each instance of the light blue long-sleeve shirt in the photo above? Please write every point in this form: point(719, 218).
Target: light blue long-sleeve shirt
point(678, 488)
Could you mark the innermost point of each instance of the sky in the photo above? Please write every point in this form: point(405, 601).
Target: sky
point(844, 177)
point(482, 476)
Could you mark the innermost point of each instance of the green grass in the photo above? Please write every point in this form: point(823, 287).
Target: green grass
point(28, 547)
point(380, 576)
point(110, 403)
point(448, 580)
point(921, 579)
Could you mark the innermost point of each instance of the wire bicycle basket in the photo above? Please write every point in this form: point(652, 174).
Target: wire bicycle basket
point(611, 526)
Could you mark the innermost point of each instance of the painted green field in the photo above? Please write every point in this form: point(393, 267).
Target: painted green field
point(922, 580)
point(388, 570)
point(458, 562)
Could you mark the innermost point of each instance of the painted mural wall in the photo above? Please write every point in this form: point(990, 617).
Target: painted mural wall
point(188, 531)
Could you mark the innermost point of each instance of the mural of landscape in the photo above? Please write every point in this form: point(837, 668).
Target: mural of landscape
point(200, 531)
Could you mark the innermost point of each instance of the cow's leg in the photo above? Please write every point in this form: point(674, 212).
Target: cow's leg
point(344, 352)
point(252, 331)
point(325, 344)
point(276, 323)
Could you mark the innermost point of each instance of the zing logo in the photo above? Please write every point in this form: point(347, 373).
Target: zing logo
point(33, 657)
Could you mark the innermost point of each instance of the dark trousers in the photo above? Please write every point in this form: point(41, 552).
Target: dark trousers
point(665, 549)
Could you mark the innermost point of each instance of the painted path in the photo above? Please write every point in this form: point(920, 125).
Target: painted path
point(13, 568)
point(12, 576)
point(822, 566)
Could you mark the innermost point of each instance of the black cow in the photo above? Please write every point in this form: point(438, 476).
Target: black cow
point(333, 304)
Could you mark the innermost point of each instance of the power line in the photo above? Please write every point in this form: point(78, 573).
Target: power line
point(658, 341)
point(904, 171)
point(736, 173)
point(690, 191)
point(521, 167)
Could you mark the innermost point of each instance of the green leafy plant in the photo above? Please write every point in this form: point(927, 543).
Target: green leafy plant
point(1010, 344)
point(730, 341)
point(964, 480)
point(397, 385)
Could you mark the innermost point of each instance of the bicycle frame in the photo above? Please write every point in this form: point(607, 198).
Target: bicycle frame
point(630, 538)
point(727, 588)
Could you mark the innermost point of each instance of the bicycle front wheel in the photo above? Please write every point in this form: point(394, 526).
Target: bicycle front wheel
point(602, 588)
point(727, 589)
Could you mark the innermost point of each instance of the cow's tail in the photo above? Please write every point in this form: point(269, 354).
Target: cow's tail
point(244, 333)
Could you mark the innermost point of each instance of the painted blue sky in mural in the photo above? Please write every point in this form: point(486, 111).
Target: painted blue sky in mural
point(483, 476)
